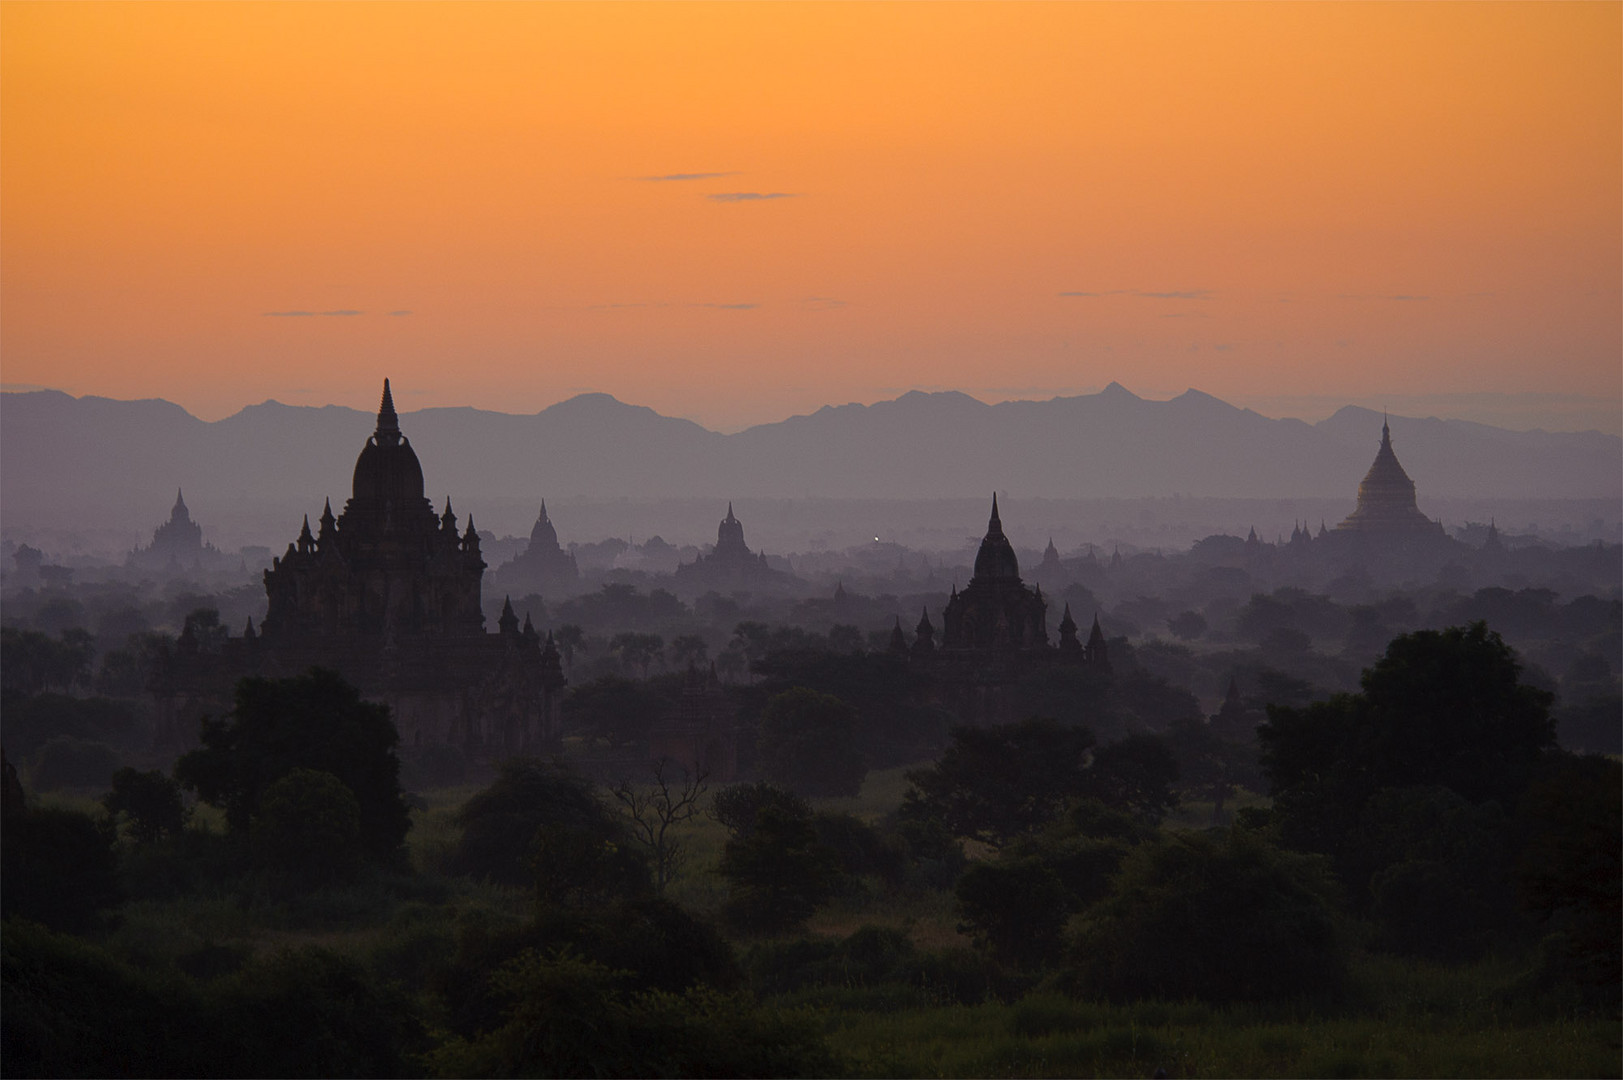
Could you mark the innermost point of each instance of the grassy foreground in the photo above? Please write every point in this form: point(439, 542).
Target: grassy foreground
point(1043, 1035)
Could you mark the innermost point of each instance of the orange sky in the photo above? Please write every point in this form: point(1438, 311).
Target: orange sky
point(1265, 201)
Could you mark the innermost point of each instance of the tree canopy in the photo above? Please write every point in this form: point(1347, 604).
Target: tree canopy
point(1440, 708)
point(314, 721)
point(807, 743)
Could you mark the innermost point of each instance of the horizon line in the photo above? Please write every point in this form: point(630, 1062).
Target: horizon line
point(997, 398)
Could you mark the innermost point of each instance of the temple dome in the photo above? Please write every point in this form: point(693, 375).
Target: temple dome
point(388, 469)
point(1386, 497)
point(543, 537)
point(996, 559)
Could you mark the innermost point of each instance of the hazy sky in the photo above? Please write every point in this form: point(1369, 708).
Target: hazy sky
point(737, 212)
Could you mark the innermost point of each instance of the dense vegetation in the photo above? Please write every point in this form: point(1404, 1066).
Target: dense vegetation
point(1417, 880)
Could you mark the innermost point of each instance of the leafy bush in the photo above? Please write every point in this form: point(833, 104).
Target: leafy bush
point(998, 783)
point(71, 1009)
point(1569, 873)
point(1218, 917)
point(503, 826)
point(565, 1016)
point(69, 762)
point(860, 849)
point(59, 868)
point(737, 807)
point(1015, 906)
point(1440, 874)
point(778, 873)
point(308, 830)
point(808, 743)
point(149, 801)
point(307, 1012)
point(32, 722)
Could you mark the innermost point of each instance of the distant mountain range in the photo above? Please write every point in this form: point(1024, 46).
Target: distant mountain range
point(66, 457)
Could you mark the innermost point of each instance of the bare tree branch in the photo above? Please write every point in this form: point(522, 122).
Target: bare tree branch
point(655, 809)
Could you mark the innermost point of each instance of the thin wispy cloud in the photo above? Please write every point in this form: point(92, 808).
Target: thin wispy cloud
point(346, 313)
point(1179, 294)
point(399, 313)
point(824, 302)
point(751, 196)
point(728, 307)
point(681, 176)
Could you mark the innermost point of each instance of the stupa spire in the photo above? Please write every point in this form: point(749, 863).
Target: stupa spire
point(388, 419)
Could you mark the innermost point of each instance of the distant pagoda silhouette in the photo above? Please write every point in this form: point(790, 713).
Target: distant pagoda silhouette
point(996, 610)
point(177, 543)
point(1386, 499)
point(731, 566)
point(544, 566)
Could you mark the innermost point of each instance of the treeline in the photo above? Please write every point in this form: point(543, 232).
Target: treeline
point(1429, 815)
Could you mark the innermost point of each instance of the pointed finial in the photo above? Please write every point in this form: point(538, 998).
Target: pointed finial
point(388, 419)
point(543, 509)
point(995, 519)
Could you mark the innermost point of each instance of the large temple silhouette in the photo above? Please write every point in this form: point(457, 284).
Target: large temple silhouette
point(388, 594)
point(994, 632)
point(1386, 499)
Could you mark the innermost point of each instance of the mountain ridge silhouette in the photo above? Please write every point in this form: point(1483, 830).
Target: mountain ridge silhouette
point(58, 450)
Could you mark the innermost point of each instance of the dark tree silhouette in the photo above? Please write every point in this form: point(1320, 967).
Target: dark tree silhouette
point(777, 873)
point(808, 743)
point(998, 783)
point(315, 721)
point(1443, 708)
point(149, 801)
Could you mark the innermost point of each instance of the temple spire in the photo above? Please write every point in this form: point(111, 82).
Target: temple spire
point(995, 525)
point(388, 419)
